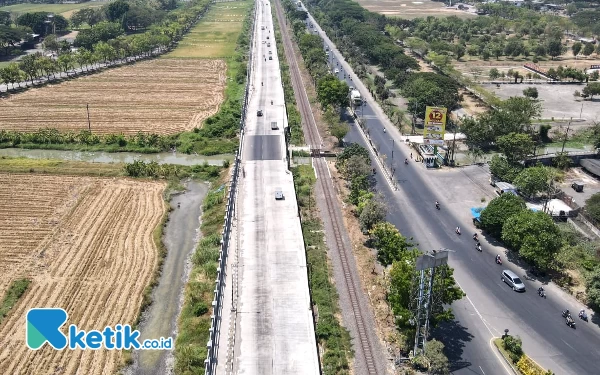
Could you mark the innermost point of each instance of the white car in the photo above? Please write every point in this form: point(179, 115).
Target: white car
point(336, 71)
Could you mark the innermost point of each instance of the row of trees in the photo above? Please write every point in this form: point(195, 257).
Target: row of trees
point(45, 137)
point(36, 66)
point(395, 252)
point(106, 45)
point(508, 31)
point(366, 38)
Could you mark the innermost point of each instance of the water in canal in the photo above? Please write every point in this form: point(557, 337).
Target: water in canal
point(180, 237)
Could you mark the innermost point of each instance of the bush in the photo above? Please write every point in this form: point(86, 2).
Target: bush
point(513, 346)
point(498, 211)
point(592, 206)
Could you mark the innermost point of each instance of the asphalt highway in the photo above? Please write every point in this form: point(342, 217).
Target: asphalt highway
point(490, 306)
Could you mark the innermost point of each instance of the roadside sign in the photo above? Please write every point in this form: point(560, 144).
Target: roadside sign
point(595, 66)
point(435, 126)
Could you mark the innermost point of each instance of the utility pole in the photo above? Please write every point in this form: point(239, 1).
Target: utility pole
point(87, 107)
point(566, 136)
point(453, 143)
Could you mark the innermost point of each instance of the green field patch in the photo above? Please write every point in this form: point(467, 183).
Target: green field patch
point(53, 8)
point(16, 289)
point(216, 34)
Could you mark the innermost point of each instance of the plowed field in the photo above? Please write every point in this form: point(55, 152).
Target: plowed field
point(86, 244)
point(162, 96)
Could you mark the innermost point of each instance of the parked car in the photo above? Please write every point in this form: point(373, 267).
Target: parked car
point(259, 113)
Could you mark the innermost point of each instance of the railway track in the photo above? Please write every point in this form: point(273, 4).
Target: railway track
point(351, 283)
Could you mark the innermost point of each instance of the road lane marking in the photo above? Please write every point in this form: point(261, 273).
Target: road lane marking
point(492, 345)
point(481, 370)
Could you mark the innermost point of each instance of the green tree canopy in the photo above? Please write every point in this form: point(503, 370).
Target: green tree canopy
point(372, 213)
point(37, 21)
point(592, 88)
point(515, 146)
point(498, 211)
point(534, 180)
point(430, 89)
point(534, 235)
point(116, 10)
point(102, 32)
point(592, 206)
point(390, 244)
point(332, 92)
point(531, 92)
point(503, 169)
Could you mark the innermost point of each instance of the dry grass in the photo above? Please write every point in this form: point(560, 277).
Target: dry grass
point(413, 9)
point(162, 96)
point(87, 245)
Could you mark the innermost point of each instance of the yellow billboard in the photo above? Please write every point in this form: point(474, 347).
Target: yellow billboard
point(435, 126)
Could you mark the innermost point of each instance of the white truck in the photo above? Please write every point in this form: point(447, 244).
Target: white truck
point(355, 97)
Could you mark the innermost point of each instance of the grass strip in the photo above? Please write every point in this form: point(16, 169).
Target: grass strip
point(333, 339)
point(16, 289)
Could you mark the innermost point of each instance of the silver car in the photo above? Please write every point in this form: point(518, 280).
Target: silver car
point(513, 281)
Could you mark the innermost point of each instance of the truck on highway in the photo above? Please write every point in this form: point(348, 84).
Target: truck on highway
point(355, 97)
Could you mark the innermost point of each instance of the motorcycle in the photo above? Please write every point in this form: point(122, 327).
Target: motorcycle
point(406, 161)
point(475, 237)
point(542, 293)
point(478, 247)
point(569, 321)
point(271, 102)
point(178, 205)
point(583, 316)
point(498, 261)
point(457, 231)
point(437, 206)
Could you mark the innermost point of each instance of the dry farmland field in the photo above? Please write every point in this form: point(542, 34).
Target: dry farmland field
point(162, 96)
point(87, 245)
point(65, 10)
point(413, 9)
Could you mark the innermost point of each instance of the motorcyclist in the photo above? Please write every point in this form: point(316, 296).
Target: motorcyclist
point(384, 130)
point(478, 246)
point(437, 205)
point(498, 258)
point(475, 236)
point(457, 230)
point(405, 161)
point(582, 314)
point(569, 319)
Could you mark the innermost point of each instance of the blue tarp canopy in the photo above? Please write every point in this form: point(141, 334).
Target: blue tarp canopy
point(476, 212)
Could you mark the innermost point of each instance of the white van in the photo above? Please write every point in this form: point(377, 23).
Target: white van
point(505, 187)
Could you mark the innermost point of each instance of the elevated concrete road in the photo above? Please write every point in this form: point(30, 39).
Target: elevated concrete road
point(491, 306)
point(274, 331)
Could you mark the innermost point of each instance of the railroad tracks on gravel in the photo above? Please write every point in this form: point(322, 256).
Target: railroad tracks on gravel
point(351, 282)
